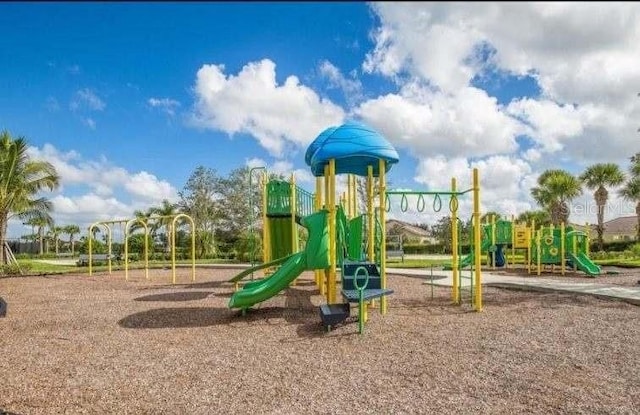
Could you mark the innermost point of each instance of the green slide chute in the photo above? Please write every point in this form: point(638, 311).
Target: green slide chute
point(467, 260)
point(271, 286)
point(259, 267)
point(584, 264)
point(314, 256)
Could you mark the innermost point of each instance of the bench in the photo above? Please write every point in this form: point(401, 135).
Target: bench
point(353, 296)
point(83, 260)
point(64, 255)
point(396, 254)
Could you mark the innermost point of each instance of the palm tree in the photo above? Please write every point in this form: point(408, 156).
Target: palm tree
point(21, 180)
point(635, 165)
point(631, 192)
point(41, 222)
point(598, 177)
point(489, 215)
point(541, 217)
point(556, 188)
point(166, 210)
point(54, 232)
point(72, 230)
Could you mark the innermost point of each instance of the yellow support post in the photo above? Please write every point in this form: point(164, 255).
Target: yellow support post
point(327, 206)
point(331, 289)
point(562, 258)
point(293, 205)
point(354, 195)
point(266, 238)
point(551, 228)
point(588, 241)
point(173, 245)
point(348, 201)
point(513, 242)
point(126, 248)
point(574, 241)
point(294, 231)
point(538, 249)
point(383, 248)
point(454, 248)
point(493, 241)
point(476, 241)
point(370, 213)
point(317, 207)
point(532, 235)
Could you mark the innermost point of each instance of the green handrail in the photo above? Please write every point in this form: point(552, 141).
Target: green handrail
point(360, 289)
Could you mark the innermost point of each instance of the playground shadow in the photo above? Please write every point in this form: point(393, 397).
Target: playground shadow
point(178, 317)
point(179, 296)
point(192, 286)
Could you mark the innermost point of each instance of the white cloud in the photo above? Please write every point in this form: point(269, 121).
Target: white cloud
point(90, 123)
point(147, 186)
point(166, 105)
point(252, 102)
point(467, 123)
point(114, 192)
point(87, 99)
point(504, 181)
point(583, 56)
point(351, 87)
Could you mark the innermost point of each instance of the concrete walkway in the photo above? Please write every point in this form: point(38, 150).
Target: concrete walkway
point(609, 291)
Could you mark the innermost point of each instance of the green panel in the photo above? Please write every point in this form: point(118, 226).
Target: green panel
point(503, 232)
point(317, 249)
point(278, 198)
point(356, 235)
point(280, 233)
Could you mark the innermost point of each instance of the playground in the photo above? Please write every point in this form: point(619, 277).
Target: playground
point(320, 324)
point(101, 344)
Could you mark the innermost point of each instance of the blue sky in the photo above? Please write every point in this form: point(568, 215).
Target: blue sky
point(127, 99)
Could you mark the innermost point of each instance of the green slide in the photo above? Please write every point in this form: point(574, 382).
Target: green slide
point(315, 256)
point(467, 260)
point(259, 267)
point(584, 264)
point(271, 286)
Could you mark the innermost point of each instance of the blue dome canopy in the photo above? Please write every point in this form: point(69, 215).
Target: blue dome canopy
point(354, 146)
point(313, 147)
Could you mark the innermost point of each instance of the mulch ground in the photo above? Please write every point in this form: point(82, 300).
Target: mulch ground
point(79, 344)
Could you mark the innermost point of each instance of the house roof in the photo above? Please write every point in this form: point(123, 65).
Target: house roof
point(623, 224)
point(407, 227)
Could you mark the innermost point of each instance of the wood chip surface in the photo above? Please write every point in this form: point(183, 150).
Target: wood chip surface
point(76, 344)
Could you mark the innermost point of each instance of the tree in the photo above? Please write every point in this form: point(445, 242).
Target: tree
point(489, 215)
point(631, 189)
point(362, 192)
point(71, 230)
point(199, 200)
point(41, 221)
point(556, 188)
point(21, 181)
point(631, 192)
point(54, 233)
point(598, 177)
point(541, 217)
point(165, 211)
point(235, 216)
point(634, 169)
